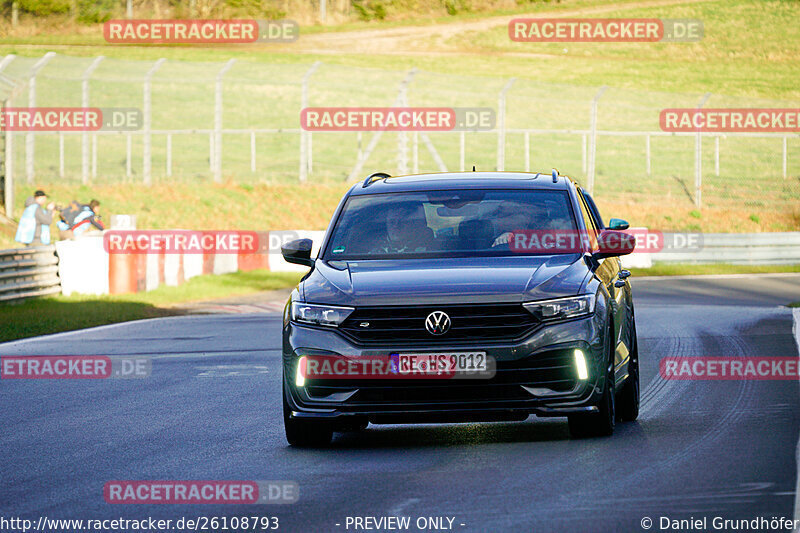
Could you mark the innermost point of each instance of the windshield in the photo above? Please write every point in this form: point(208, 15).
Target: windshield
point(444, 223)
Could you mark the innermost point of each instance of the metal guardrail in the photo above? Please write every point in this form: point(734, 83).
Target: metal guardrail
point(27, 272)
point(741, 248)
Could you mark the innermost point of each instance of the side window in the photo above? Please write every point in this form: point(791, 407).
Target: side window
point(593, 210)
point(588, 220)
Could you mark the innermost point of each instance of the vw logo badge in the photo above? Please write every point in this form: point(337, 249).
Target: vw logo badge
point(437, 323)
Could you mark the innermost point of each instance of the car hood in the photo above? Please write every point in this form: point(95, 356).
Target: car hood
point(451, 280)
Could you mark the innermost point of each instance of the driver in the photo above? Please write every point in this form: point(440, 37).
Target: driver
point(406, 230)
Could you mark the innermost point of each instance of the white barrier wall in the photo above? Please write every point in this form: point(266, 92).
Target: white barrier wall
point(83, 265)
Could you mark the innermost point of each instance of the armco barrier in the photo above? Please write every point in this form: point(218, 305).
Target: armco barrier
point(741, 249)
point(86, 268)
point(27, 272)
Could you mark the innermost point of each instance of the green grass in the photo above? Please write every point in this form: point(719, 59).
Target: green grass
point(41, 316)
point(748, 58)
point(677, 269)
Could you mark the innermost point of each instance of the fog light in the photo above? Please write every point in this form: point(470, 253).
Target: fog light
point(299, 378)
point(580, 365)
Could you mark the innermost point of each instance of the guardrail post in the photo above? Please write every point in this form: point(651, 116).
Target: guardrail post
point(85, 103)
point(501, 125)
point(29, 137)
point(698, 160)
point(147, 161)
point(304, 140)
point(593, 140)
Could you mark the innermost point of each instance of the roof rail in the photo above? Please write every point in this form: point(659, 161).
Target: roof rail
point(555, 176)
point(375, 177)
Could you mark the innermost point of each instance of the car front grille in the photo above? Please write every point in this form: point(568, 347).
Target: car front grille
point(406, 325)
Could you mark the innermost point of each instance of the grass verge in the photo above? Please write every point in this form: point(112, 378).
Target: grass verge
point(681, 269)
point(66, 313)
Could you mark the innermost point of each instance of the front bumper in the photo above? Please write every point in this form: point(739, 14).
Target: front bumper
point(535, 375)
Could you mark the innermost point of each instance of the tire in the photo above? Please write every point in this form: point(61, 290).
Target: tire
point(305, 433)
point(628, 401)
point(601, 423)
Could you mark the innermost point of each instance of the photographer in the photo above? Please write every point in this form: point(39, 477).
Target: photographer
point(34, 224)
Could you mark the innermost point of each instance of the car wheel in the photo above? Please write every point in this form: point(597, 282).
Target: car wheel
point(601, 423)
point(629, 394)
point(305, 433)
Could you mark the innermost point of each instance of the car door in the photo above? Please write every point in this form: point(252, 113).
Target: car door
point(608, 272)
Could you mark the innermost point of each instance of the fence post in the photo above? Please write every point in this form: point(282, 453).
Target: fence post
point(94, 155)
point(29, 137)
point(147, 160)
point(129, 9)
point(415, 147)
point(647, 151)
point(310, 147)
point(252, 151)
point(698, 163)
point(461, 146)
point(303, 137)
point(501, 125)
point(593, 140)
point(376, 136)
point(85, 103)
point(60, 155)
point(218, 121)
point(785, 156)
point(128, 150)
point(583, 153)
point(8, 158)
point(169, 154)
point(527, 151)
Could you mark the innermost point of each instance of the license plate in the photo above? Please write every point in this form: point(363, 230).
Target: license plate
point(440, 363)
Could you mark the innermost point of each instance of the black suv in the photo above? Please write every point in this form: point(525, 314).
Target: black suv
point(462, 267)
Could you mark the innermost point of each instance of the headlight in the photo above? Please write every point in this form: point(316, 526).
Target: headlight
point(320, 315)
point(562, 307)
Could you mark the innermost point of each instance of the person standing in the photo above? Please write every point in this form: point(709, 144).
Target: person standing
point(34, 224)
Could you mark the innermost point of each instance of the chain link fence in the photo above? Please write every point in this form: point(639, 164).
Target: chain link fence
point(240, 121)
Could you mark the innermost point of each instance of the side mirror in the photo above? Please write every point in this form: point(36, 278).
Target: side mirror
point(298, 252)
point(613, 243)
point(618, 224)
